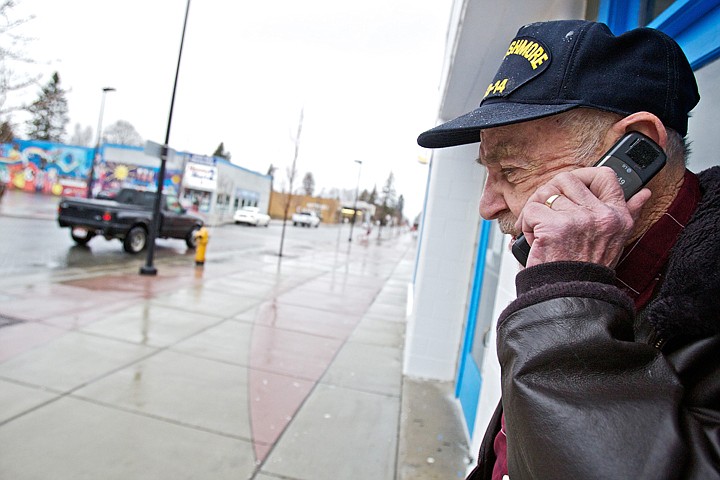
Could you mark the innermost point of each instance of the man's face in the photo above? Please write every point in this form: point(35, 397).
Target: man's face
point(520, 158)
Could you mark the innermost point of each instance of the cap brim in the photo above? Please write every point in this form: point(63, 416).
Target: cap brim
point(466, 128)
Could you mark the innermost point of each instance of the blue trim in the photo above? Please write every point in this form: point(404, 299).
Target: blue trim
point(229, 163)
point(471, 381)
point(120, 146)
point(619, 15)
point(468, 381)
point(421, 227)
point(695, 25)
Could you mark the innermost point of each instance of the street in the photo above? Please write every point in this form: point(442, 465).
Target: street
point(36, 244)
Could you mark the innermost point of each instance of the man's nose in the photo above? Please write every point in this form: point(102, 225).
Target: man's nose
point(492, 204)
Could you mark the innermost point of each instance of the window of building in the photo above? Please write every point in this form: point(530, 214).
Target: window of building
point(651, 9)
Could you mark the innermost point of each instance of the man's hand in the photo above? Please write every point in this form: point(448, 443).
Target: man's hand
point(589, 222)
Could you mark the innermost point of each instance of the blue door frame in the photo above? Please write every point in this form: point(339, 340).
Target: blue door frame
point(469, 379)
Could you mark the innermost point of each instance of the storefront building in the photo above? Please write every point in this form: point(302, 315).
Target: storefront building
point(464, 274)
point(215, 187)
point(327, 209)
point(211, 186)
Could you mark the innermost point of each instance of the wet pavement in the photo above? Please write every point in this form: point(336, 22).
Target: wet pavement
point(251, 367)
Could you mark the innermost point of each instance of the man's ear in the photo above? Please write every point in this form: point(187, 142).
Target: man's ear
point(643, 122)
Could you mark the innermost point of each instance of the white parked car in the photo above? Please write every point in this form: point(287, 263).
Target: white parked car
point(306, 219)
point(251, 216)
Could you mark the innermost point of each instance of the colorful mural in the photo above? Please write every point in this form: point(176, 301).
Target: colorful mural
point(45, 167)
point(58, 169)
point(112, 176)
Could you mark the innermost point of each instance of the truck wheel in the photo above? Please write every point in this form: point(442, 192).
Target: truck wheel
point(81, 238)
point(191, 239)
point(135, 240)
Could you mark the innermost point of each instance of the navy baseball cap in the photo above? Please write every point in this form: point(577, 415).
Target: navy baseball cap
point(552, 67)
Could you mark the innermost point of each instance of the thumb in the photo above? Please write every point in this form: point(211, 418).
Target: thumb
point(637, 201)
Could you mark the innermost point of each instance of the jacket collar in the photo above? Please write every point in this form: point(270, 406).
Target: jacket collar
point(688, 303)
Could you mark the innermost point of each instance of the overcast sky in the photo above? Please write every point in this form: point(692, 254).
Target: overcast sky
point(365, 72)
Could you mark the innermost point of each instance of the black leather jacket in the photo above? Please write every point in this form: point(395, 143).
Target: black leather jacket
point(593, 390)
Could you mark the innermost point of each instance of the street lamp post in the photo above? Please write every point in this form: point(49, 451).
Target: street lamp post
point(149, 268)
point(91, 175)
point(357, 191)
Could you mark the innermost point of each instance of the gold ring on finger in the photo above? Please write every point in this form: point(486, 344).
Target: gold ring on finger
point(551, 199)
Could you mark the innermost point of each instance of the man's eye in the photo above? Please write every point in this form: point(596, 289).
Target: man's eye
point(507, 171)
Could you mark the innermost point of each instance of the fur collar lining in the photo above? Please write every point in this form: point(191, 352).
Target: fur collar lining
point(688, 303)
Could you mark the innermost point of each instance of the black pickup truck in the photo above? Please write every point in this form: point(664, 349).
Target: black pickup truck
point(128, 217)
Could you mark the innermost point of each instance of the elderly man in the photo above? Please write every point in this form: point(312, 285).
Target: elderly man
point(610, 355)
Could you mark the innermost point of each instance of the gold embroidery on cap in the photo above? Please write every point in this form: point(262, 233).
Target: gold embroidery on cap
point(531, 51)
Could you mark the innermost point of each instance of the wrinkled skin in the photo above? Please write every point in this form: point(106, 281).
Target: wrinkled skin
point(531, 161)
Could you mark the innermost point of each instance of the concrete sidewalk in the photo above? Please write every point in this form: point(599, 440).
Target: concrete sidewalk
point(255, 368)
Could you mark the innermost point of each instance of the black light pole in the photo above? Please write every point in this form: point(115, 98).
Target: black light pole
point(148, 268)
point(91, 175)
point(357, 191)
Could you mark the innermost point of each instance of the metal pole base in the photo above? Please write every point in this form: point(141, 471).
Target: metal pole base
point(148, 270)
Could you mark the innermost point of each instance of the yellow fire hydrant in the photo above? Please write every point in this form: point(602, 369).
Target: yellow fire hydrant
point(202, 237)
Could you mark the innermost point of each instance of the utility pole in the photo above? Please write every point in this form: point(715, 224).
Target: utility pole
point(357, 192)
point(91, 175)
point(148, 268)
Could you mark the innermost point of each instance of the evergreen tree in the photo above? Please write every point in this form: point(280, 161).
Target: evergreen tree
point(387, 206)
point(372, 198)
point(388, 192)
point(49, 113)
point(308, 184)
point(399, 207)
point(220, 152)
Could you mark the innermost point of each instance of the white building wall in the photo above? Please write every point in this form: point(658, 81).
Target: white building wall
point(704, 120)
point(445, 261)
point(232, 178)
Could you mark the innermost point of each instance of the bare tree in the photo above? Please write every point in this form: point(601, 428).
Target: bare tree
point(291, 178)
point(11, 56)
point(82, 136)
point(122, 133)
point(7, 134)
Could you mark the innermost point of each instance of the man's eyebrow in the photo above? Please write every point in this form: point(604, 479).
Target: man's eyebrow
point(501, 151)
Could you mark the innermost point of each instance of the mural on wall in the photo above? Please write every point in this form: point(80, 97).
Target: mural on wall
point(57, 169)
point(45, 167)
point(112, 176)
